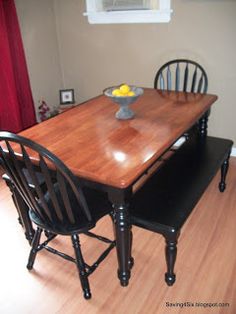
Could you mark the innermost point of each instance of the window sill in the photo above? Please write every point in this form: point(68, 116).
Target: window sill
point(139, 16)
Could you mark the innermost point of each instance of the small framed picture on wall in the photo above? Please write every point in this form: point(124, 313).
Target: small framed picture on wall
point(67, 96)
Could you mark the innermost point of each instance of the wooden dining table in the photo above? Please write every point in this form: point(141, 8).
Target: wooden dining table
point(112, 155)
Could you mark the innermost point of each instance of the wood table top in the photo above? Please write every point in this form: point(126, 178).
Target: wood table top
point(96, 146)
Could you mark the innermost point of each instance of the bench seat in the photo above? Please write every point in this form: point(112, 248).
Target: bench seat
point(165, 201)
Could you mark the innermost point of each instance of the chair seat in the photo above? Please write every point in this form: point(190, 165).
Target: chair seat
point(166, 200)
point(39, 176)
point(97, 202)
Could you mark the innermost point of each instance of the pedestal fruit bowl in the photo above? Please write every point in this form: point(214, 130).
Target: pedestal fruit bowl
point(124, 95)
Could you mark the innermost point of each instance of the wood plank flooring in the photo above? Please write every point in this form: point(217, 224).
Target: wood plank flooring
point(205, 267)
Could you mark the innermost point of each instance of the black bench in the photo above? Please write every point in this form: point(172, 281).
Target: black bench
point(165, 201)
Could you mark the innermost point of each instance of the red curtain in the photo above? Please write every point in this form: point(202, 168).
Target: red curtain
point(16, 102)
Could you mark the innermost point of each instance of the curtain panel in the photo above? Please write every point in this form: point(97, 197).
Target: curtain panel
point(16, 102)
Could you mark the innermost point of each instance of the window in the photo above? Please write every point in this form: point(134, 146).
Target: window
point(128, 11)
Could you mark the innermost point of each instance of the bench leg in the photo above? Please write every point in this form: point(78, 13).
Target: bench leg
point(171, 253)
point(224, 170)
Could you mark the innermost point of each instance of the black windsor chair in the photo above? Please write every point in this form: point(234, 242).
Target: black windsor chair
point(182, 75)
point(60, 207)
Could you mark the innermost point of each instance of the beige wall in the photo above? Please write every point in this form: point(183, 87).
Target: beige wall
point(38, 27)
point(96, 56)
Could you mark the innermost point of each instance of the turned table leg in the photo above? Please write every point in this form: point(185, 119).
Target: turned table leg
point(123, 233)
point(203, 125)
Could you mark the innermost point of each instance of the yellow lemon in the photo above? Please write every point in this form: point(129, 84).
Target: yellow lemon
point(124, 89)
point(131, 93)
point(116, 92)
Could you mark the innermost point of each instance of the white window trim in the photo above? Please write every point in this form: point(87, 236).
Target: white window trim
point(163, 15)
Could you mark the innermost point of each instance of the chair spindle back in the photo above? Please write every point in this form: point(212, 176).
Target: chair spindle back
point(63, 202)
point(182, 75)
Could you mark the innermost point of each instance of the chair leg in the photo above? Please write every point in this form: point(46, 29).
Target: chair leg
point(81, 266)
point(33, 252)
point(171, 253)
point(224, 170)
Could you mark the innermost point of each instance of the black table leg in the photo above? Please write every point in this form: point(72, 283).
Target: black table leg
point(123, 234)
point(122, 243)
point(203, 125)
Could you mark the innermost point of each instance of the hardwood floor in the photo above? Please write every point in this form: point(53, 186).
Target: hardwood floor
point(205, 267)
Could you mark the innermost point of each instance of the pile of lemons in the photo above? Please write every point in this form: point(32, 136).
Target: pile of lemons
point(123, 90)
